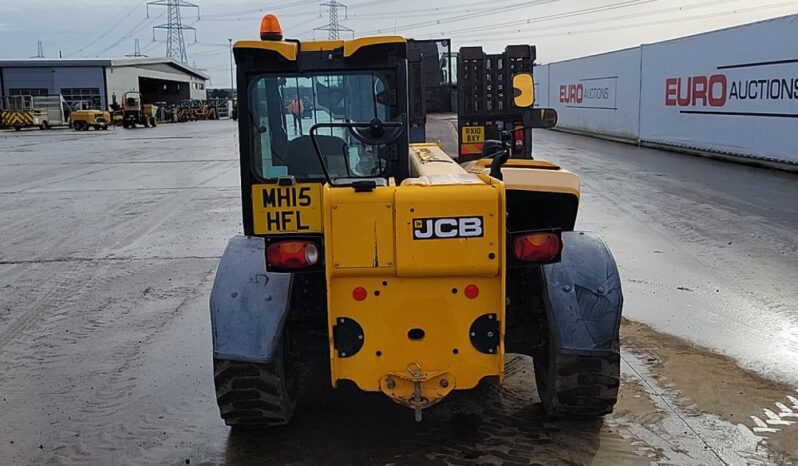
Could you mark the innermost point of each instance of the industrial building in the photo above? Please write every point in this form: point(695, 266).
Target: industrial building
point(103, 81)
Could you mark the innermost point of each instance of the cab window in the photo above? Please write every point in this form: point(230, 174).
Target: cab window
point(285, 108)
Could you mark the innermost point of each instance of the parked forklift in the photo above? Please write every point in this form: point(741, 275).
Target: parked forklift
point(390, 264)
point(136, 112)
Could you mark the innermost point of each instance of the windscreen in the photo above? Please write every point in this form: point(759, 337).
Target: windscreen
point(284, 108)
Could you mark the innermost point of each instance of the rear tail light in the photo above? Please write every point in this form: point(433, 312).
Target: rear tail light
point(540, 247)
point(292, 254)
point(518, 136)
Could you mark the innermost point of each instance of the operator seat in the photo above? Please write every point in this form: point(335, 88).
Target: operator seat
point(302, 161)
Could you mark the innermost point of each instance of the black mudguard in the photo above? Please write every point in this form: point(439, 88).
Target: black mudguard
point(583, 296)
point(248, 304)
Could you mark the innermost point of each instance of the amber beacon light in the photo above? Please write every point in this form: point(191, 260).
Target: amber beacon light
point(270, 28)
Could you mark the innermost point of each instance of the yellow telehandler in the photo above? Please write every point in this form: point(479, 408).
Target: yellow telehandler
point(399, 269)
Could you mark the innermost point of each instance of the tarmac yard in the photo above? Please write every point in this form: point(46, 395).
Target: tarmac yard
point(109, 242)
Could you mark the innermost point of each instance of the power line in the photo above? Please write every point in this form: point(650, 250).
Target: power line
point(468, 16)
point(110, 29)
point(334, 27)
point(151, 46)
point(175, 42)
point(432, 11)
point(555, 16)
point(138, 27)
point(249, 18)
point(593, 21)
point(257, 10)
point(303, 23)
point(657, 22)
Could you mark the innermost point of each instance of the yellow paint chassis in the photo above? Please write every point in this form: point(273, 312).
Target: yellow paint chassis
point(420, 318)
point(402, 264)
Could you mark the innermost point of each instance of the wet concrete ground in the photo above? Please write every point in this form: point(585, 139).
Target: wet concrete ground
point(108, 246)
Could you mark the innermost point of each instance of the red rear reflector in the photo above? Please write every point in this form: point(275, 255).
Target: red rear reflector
point(292, 254)
point(359, 293)
point(472, 291)
point(537, 247)
point(518, 136)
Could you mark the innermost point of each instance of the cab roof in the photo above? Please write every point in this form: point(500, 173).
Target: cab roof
point(290, 49)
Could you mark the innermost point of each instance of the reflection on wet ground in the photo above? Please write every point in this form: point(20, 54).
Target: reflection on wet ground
point(490, 425)
point(107, 258)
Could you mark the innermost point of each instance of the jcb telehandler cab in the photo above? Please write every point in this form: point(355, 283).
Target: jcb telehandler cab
point(401, 270)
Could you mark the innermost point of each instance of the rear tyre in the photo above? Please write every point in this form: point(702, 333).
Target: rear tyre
point(257, 396)
point(578, 386)
point(76, 125)
point(105, 127)
point(17, 128)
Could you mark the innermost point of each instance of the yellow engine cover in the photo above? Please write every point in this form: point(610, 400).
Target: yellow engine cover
point(403, 263)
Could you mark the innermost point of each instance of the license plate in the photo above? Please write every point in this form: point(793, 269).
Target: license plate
point(473, 134)
point(286, 209)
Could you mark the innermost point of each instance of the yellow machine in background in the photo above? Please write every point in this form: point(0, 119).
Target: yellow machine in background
point(401, 270)
point(136, 112)
point(82, 118)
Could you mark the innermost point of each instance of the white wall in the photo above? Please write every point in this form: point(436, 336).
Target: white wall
point(697, 91)
point(122, 79)
point(598, 94)
point(541, 74)
point(729, 91)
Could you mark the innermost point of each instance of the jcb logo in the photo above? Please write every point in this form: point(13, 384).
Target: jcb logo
point(447, 227)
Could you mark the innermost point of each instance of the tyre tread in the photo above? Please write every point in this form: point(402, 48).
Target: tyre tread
point(583, 386)
point(252, 395)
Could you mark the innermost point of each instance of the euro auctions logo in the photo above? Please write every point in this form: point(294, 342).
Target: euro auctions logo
point(768, 89)
point(696, 91)
point(590, 93)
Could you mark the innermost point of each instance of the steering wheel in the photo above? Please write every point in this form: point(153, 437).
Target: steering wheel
point(378, 132)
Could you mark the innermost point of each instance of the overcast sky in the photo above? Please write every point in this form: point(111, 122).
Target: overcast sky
point(560, 28)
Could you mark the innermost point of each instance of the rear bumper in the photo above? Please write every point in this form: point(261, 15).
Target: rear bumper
point(417, 339)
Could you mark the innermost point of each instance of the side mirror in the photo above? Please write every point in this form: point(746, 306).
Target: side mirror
point(523, 90)
point(540, 118)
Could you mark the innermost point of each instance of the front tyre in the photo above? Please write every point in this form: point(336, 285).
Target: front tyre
point(578, 386)
point(257, 396)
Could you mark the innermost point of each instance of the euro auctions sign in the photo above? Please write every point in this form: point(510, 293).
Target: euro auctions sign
point(734, 90)
point(744, 91)
point(597, 93)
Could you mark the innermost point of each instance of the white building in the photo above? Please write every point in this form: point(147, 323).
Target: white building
point(103, 81)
